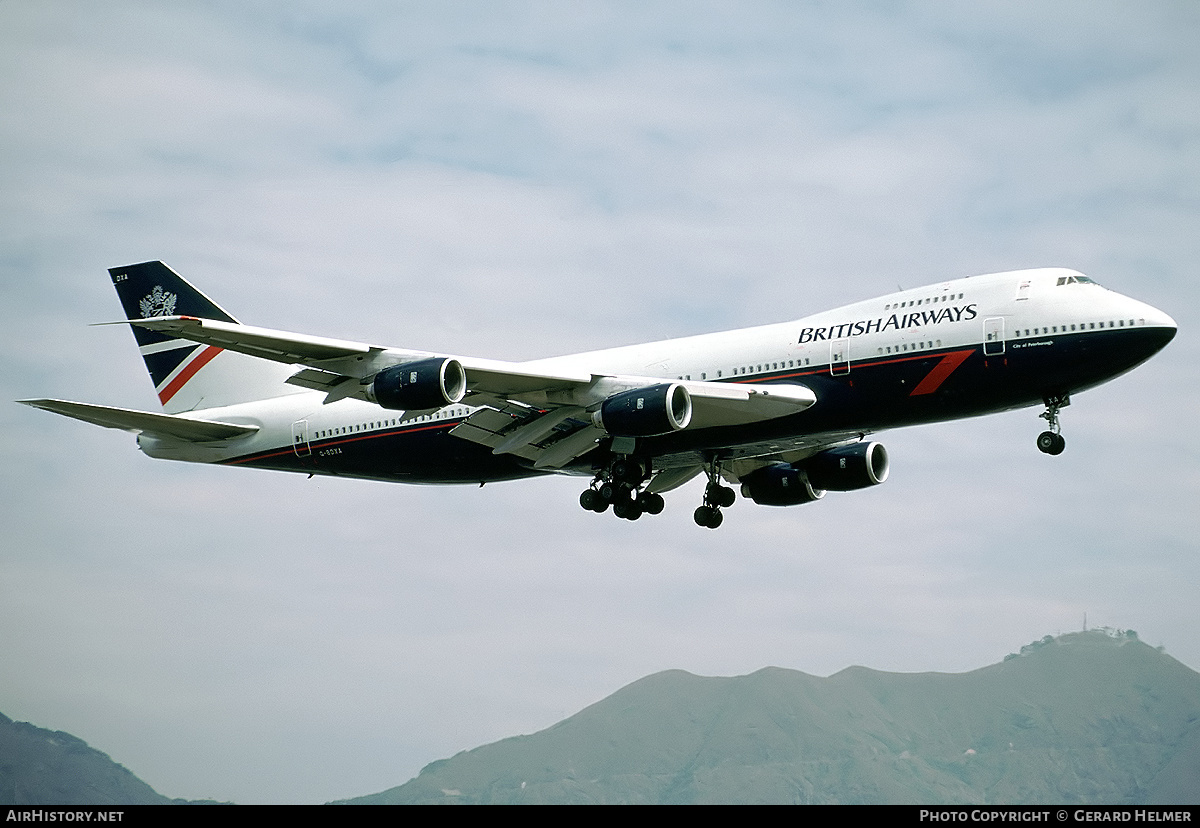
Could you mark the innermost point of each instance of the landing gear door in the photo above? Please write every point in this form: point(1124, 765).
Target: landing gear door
point(300, 443)
point(993, 336)
point(839, 357)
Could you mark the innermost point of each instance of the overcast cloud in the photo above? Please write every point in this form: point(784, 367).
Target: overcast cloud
point(517, 180)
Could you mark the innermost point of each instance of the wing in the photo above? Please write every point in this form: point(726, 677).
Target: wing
point(143, 422)
point(548, 418)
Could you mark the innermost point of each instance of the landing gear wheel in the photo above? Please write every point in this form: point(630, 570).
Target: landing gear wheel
point(592, 501)
point(719, 495)
point(1050, 443)
point(652, 503)
point(627, 509)
point(709, 517)
point(628, 471)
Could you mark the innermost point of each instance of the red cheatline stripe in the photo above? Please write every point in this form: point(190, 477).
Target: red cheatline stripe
point(189, 371)
point(934, 379)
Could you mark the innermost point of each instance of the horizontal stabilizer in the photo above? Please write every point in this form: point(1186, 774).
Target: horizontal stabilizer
point(144, 422)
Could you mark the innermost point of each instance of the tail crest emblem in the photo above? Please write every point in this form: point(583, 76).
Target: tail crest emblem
point(158, 303)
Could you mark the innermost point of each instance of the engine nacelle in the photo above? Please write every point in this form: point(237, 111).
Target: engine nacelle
point(646, 412)
point(848, 468)
point(415, 386)
point(780, 485)
point(837, 470)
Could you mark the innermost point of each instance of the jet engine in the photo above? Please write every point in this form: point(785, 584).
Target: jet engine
point(780, 485)
point(839, 470)
point(646, 412)
point(849, 467)
point(415, 386)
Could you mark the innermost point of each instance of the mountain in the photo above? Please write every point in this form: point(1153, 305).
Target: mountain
point(1092, 718)
point(49, 767)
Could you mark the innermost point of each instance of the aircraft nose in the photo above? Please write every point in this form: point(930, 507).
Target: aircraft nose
point(1157, 330)
point(1164, 324)
point(1168, 322)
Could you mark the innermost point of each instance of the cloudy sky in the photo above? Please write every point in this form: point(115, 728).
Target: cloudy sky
point(515, 180)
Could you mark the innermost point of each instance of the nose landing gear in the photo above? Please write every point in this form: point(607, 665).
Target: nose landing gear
point(1052, 442)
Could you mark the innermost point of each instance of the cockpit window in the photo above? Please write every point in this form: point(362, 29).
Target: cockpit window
point(1070, 280)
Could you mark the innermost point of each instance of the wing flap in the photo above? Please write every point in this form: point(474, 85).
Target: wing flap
point(487, 427)
point(568, 448)
point(144, 422)
point(536, 430)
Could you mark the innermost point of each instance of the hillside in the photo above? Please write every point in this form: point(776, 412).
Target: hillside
point(49, 767)
point(1088, 717)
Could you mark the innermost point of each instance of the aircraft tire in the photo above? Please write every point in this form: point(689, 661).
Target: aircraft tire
point(1050, 443)
point(725, 496)
point(627, 510)
point(652, 503)
point(627, 471)
point(592, 501)
point(709, 517)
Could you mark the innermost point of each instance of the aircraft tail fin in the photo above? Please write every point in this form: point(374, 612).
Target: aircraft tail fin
point(188, 376)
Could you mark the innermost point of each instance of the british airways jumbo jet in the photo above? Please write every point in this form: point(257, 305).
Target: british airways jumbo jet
point(784, 410)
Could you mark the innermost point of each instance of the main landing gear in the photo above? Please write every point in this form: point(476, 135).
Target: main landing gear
point(709, 514)
point(620, 486)
point(1052, 442)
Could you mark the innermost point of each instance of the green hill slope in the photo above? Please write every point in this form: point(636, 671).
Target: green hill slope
point(49, 767)
point(1083, 718)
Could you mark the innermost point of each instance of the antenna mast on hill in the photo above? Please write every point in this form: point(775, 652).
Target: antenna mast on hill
point(1085, 622)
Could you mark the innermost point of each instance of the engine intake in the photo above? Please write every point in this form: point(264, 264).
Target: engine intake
point(646, 412)
point(424, 384)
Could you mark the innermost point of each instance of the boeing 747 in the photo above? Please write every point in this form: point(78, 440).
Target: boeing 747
point(785, 411)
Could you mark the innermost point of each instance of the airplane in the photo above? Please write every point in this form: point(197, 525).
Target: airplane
point(784, 410)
